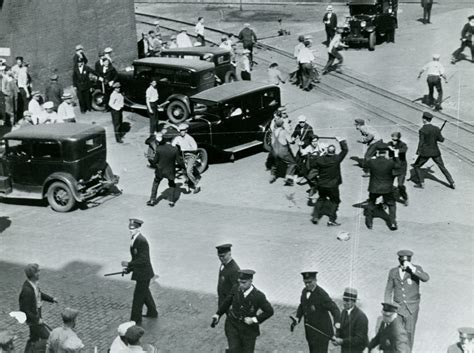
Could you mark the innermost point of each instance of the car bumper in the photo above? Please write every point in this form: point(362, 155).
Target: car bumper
point(100, 183)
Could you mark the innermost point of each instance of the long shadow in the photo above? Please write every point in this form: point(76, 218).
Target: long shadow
point(379, 211)
point(5, 223)
point(428, 174)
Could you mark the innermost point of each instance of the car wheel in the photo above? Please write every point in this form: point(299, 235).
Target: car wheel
point(98, 100)
point(267, 140)
point(230, 77)
point(60, 197)
point(372, 40)
point(202, 160)
point(177, 111)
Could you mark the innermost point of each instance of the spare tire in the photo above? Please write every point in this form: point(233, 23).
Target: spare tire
point(177, 111)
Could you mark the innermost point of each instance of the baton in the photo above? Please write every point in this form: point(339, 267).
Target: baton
point(442, 126)
point(114, 274)
point(319, 331)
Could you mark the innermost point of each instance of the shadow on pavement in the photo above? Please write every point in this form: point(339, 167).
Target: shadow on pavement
point(428, 174)
point(5, 222)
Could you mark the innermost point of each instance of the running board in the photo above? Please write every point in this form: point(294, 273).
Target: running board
point(137, 106)
point(245, 146)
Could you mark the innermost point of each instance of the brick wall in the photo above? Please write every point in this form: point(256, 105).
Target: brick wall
point(46, 32)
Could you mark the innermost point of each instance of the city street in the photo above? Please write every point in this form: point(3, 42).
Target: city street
point(268, 225)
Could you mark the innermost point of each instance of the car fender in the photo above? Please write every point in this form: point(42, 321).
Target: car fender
point(67, 179)
point(181, 97)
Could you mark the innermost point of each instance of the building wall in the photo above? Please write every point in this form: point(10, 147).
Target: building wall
point(45, 33)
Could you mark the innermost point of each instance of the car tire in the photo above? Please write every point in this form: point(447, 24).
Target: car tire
point(60, 197)
point(372, 40)
point(230, 77)
point(177, 111)
point(267, 140)
point(98, 100)
point(203, 160)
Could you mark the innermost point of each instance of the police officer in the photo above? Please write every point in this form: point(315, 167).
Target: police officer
point(403, 288)
point(391, 336)
point(466, 41)
point(242, 325)
point(315, 306)
point(228, 272)
point(142, 273)
point(466, 341)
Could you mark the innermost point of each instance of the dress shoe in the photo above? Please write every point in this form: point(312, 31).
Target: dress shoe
point(368, 224)
point(272, 179)
point(196, 190)
point(314, 220)
point(151, 203)
point(452, 186)
point(405, 202)
point(171, 204)
point(365, 175)
point(419, 186)
point(333, 224)
point(393, 226)
point(151, 315)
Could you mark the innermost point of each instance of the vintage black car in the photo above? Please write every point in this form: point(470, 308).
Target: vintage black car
point(225, 70)
point(65, 163)
point(177, 80)
point(369, 21)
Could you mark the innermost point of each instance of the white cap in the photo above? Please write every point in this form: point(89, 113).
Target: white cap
point(436, 56)
point(122, 329)
point(183, 127)
point(329, 7)
point(108, 50)
point(48, 105)
point(301, 119)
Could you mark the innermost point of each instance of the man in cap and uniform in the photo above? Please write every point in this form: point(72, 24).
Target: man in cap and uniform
point(382, 173)
point(142, 273)
point(403, 288)
point(6, 342)
point(189, 148)
point(31, 302)
point(116, 104)
point(242, 325)
point(303, 131)
point(330, 24)
point(315, 306)
point(429, 136)
point(54, 91)
point(248, 38)
point(466, 341)
point(79, 55)
point(434, 71)
point(228, 273)
point(466, 41)
point(391, 336)
point(120, 344)
point(352, 336)
point(64, 338)
point(370, 137)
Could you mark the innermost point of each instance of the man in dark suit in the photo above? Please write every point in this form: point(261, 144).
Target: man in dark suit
point(248, 38)
point(426, 5)
point(352, 336)
point(398, 144)
point(382, 173)
point(330, 23)
point(165, 161)
point(31, 300)
point(108, 76)
point(228, 273)
point(246, 308)
point(315, 306)
point(403, 288)
point(429, 136)
point(391, 336)
point(466, 41)
point(79, 55)
point(142, 46)
point(328, 169)
point(142, 270)
point(82, 84)
point(303, 131)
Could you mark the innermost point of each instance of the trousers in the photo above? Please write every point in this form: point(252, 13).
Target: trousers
point(464, 44)
point(153, 115)
point(156, 183)
point(117, 120)
point(388, 199)
point(333, 55)
point(427, 12)
point(409, 321)
point(237, 340)
point(331, 195)
point(420, 161)
point(192, 173)
point(142, 296)
point(84, 97)
point(434, 81)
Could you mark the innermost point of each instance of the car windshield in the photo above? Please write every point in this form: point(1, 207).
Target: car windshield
point(363, 10)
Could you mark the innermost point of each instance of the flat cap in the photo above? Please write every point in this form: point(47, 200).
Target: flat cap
point(246, 274)
point(466, 332)
point(53, 77)
point(116, 85)
point(69, 314)
point(122, 329)
point(350, 293)
point(6, 337)
point(405, 253)
point(134, 333)
point(282, 109)
point(79, 47)
point(108, 50)
point(66, 96)
point(72, 344)
point(428, 116)
point(31, 269)
point(390, 307)
point(359, 121)
point(224, 248)
point(48, 105)
point(35, 93)
point(309, 274)
point(302, 119)
point(134, 223)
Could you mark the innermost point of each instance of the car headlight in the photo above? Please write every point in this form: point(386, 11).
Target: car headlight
point(363, 24)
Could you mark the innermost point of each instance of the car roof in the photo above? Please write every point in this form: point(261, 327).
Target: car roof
point(231, 90)
point(362, 2)
point(197, 50)
point(62, 131)
point(197, 65)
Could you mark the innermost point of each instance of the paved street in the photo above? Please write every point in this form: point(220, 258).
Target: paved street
point(269, 225)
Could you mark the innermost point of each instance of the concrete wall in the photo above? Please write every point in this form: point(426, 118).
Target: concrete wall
point(46, 32)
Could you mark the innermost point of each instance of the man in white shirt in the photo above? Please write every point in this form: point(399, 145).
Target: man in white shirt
point(49, 116)
point(34, 106)
point(434, 71)
point(305, 60)
point(199, 30)
point(188, 147)
point(120, 344)
point(333, 52)
point(66, 109)
point(152, 105)
point(226, 43)
point(183, 40)
point(20, 74)
point(116, 104)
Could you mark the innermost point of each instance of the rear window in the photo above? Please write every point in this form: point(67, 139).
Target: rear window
point(46, 150)
point(93, 143)
point(223, 59)
point(182, 76)
point(17, 148)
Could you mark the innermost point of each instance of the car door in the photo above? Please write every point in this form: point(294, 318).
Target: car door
point(231, 128)
point(141, 81)
point(164, 77)
point(46, 159)
point(18, 157)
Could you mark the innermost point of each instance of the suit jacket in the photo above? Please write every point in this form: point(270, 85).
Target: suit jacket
point(140, 264)
point(53, 93)
point(406, 291)
point(467, 32)
point(29, 305)
point(248, 37)
point(353, 331)
point(332, 21)
point(109, 75)
point(76, 57)
point(391, 338)
point(238, 307)
point(315, 311)
point(165, 161)
point(382, 172)
point(82, 80)
point(305, 134)
point(98, 67)
point(429, 135)
point(329, 167)
point(141, 48)
point(228, 276)
point(426, 2)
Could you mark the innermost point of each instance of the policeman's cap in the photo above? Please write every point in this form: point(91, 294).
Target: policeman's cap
point(359, 121)
point(466, 332)
point(134, 333)
point(428, 116)
point(223, 249)
point(134, 223)
point(390, 307)
point(69, 314)
point(309, 274)
point(31, 269)
point(350, 293)
point(403, 253)
point(246, 274)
